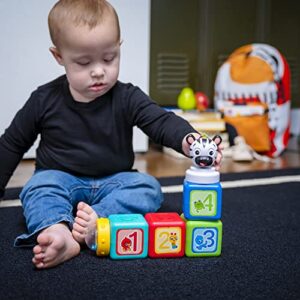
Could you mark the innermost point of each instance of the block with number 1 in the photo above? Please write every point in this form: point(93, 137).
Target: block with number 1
point(129, 236)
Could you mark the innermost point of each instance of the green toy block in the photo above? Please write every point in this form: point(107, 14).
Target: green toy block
point(203, 238)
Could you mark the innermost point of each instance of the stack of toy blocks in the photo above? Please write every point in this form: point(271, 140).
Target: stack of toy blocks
point(197, 233)
point(202, 205)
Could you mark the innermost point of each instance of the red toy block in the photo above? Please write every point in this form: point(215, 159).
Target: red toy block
point(166, 235)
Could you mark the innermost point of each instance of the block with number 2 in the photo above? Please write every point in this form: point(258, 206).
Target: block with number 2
point(166, 235)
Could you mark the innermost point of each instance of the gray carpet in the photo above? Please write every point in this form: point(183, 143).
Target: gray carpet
point(259, 260)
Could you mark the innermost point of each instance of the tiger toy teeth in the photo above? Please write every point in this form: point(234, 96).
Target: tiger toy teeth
point(204, 150)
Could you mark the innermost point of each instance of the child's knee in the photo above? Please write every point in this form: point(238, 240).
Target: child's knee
point(47, 181)
point(154, 191)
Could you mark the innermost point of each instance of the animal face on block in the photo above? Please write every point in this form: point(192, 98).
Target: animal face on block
point(204, 150)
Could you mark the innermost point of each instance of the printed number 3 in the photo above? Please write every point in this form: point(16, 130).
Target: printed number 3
point(206, 240)
point(209, 235)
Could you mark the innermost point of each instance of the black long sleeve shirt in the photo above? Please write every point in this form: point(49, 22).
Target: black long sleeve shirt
point(88, 139)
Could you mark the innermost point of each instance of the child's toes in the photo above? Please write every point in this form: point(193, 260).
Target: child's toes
point(44, 240)
point(37, 249)
point(79, 237)
point(38, 264)
point(83, 216)
point(80, 221)
point(85, 207)
point(78, 228)
point(39, 257)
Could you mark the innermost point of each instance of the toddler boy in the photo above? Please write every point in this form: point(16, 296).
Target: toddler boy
point(85, 118)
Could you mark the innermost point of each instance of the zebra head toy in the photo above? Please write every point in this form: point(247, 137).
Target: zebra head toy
point(204, 150)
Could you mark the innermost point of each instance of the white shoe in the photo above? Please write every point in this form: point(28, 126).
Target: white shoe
point(227, 151)
point(241, 151)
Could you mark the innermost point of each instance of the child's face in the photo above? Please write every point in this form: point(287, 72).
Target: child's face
point(91, 59)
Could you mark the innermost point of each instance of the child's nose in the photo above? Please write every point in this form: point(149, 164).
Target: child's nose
point(97, 71)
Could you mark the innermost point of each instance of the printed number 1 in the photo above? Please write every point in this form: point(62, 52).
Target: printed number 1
point(134, 236)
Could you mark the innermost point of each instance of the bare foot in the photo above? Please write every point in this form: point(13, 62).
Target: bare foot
point(55, 245)
point(85, 222)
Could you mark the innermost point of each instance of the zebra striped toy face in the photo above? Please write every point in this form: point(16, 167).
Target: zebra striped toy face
point(203, 152)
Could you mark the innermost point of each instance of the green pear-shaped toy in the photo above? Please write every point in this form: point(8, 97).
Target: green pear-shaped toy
point(186, 99)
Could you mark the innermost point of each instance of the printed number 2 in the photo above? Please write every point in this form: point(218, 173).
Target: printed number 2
point(165, 236)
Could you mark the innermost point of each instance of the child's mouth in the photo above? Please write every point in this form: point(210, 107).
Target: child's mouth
point(96, 87)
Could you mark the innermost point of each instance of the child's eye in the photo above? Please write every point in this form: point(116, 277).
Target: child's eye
point(108, 59)
point(82, 63)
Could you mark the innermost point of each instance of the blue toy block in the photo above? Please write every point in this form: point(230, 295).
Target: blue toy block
point(202, 201)
point(202, 195)
point(129, 236)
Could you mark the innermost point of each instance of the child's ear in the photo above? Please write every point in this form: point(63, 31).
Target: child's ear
point(56, 54)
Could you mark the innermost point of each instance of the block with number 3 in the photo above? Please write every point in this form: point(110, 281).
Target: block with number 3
point(166, 235)
point(203, 238)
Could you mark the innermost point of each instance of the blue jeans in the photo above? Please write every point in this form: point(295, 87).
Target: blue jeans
point(51, 197)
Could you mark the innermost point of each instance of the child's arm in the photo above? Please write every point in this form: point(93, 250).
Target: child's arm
point(9, 161)
point(186, 149)
point(15, 141)
point(162, 126)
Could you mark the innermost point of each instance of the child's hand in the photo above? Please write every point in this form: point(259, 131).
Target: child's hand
point(219, 155)
point(186, 149)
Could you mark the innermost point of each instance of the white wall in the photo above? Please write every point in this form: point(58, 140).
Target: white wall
point(134, 17)
point(26, 63)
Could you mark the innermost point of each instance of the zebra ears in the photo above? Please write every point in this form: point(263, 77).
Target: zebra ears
point(217, 139)
point(190, 139)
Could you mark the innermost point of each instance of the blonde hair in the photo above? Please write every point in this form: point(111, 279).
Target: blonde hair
point(79, 12)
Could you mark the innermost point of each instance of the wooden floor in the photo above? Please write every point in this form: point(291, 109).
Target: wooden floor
point(159, 164)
